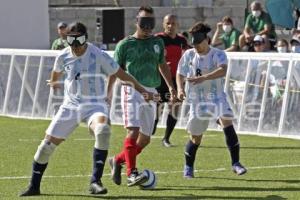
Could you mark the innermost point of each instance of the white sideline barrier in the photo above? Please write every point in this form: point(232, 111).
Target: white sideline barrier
point(270, 108)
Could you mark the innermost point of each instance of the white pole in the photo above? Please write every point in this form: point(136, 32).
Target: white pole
point(37, 86)
point(22, 86)
point(285, 97)
point(264, 97)
point(8, 86)
point(244, 95)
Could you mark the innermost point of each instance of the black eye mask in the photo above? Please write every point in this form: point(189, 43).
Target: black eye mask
point(198, 37)
point(146, 22)
point(76, 40)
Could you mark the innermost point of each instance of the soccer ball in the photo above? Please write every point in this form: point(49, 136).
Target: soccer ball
point(151, 182)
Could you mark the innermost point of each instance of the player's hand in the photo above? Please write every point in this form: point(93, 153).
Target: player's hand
point(54, 85)
point(173, 95)
point(196, 79)
point(181, 95)
point(149, 96)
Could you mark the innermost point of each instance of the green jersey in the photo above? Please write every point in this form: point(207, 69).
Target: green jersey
point(257, 24)
point(59, 44)
point(231, 38)
point(140, 58)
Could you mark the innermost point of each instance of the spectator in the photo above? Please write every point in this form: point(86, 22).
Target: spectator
point(257, 23)
point(295, 44)
point(282, 46)
point(61, 42)
point(229, 37)
point(259, 44)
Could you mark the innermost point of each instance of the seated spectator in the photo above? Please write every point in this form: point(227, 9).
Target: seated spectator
point(61, 42)
point(229, 36)
point(259, 44)
point(282, 46)
point(295, 44)
point(257, 23)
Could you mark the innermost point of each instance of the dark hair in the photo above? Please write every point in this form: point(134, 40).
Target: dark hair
point(200, 27)
point(185, 34)
point(284, 41)
point(147, 9)
point(227, 19)
point(77, 27)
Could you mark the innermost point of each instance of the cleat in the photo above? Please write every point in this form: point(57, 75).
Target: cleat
point(30, 192)
point(97, 188)
point(115, 171)
point(136, 179)
point(188, 172)
point(239, 169)
point(166, 143)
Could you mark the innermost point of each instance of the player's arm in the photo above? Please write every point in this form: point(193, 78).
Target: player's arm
point(110, 85)
point(217, 73)
point(54, 80)
point(122, 75)
point(166, 74)
point(180, 86)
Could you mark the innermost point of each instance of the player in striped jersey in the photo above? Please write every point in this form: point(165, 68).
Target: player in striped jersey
point(203, 67)
point(85, 67)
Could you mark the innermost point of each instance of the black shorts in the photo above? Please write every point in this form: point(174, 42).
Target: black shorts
point(163, 90)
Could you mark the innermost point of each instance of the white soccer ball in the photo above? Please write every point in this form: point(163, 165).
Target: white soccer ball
point(151, 182)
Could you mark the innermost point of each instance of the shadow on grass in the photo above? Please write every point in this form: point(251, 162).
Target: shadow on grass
point(256, 147)
point(295, 181)
point(184, 196)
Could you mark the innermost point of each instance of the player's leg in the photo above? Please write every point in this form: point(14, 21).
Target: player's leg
point(130, 100)
point(101, 130)
point(233, 145)
point(159, 110)
point(195, 127)
point(232, 141)
point(64, 122)
point(171, 123)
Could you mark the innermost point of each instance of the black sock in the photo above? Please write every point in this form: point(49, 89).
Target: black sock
point(99, 157)
point(232, 142)
point(155, 125)
point(37, 174)
point(171, 122)
point(190, 153)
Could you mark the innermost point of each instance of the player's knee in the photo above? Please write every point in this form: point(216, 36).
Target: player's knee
point(196, 139)
point(44, 151)
point(102, 135)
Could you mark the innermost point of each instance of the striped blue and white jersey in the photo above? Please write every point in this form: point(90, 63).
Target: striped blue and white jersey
point(85, 76)
point(193, 64)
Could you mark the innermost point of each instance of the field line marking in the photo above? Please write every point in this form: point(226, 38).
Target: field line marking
point(157, 172)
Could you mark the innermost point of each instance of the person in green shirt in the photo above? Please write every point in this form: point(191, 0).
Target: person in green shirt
point(229, 37)
point(61, 42)
point(258, 23)
point(142, 56)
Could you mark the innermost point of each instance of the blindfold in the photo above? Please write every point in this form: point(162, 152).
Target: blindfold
point(146, 22)
point(198, 37)
point(76, 40)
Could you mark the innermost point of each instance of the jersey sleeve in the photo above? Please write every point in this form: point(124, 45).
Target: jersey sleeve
point(220, 58)
point(248, 21)
point(58, 64)
point(235, 37)
point(119, 54)
point(108, 64)
point(183, 64)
